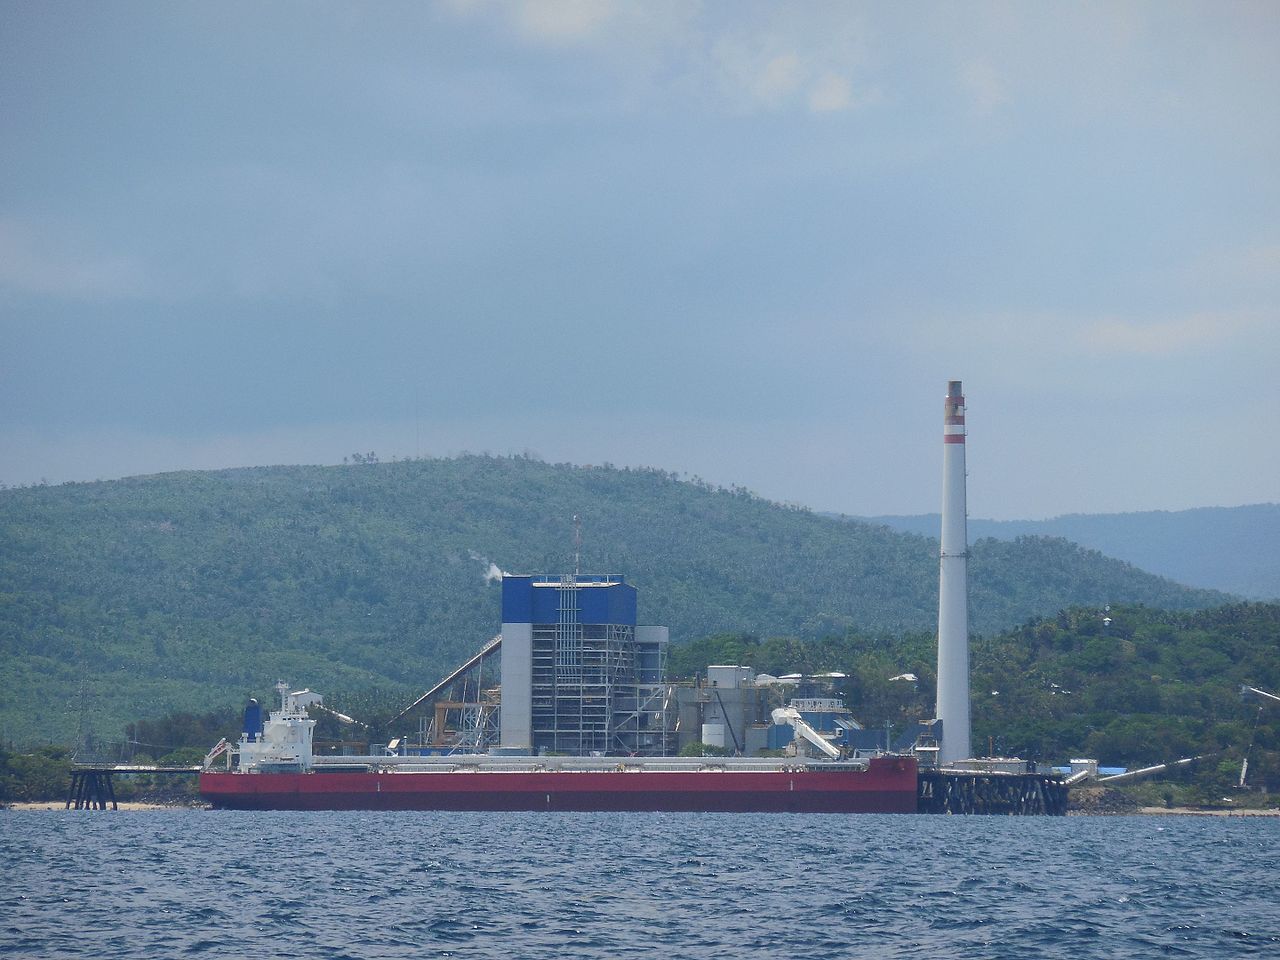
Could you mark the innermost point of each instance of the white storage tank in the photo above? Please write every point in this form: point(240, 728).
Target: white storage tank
point(713, 734)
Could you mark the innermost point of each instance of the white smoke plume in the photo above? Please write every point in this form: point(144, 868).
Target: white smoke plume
point(492, 570)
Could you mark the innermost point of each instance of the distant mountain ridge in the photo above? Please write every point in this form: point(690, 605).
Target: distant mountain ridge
point(186, 591)
point(1232, 549)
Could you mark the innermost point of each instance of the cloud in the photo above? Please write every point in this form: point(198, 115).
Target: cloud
point(1025, 350)
point(984, 86)
point(777, 80)
point(1262, 259)
point(563, 21)
point(749, 57)
point(1166, 337)
point(49, 261)
point(1247, 266)
point(831, 92)
point(778, 58)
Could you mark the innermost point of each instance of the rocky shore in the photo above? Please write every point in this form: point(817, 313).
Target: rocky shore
point(1107, 801)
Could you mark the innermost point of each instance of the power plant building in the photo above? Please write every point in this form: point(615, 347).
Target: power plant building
point(579, 675)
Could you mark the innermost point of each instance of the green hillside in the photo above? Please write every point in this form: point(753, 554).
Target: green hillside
point(138, 597)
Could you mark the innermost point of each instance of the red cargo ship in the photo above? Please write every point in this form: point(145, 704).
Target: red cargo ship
point(273, 767)
point(879, 785)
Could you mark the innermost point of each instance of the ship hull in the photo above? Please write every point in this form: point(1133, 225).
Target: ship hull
point(887, 785)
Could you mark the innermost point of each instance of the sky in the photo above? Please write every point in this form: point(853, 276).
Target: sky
point(748, 242)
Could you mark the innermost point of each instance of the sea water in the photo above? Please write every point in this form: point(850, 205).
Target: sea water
point(476, 885)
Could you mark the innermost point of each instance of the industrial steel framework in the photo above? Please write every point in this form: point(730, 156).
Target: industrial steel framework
point(592, 691)
point(464, 709)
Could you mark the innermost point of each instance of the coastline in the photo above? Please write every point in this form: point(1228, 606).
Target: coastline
point(133, 806)
point(129, 805)
point(1173, 812)
point(1191, 811)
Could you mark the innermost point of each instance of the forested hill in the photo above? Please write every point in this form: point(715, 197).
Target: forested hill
point(136, 597)
point(1221, 548)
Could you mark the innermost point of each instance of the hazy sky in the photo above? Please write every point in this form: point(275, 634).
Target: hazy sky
point(747, 241)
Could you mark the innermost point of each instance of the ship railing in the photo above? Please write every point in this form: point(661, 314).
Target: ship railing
point(486, 764)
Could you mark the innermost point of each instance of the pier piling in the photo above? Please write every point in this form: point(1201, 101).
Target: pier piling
point(991, 793)
point(91, 789)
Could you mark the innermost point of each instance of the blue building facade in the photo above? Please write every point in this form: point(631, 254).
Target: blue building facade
point(579, 675)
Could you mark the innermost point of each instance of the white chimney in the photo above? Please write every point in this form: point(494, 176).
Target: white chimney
point(953, 588)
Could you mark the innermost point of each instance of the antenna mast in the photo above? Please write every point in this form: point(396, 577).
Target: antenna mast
point(577, 545)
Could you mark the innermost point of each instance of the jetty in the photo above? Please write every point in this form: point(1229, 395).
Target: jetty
point(92, 789)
